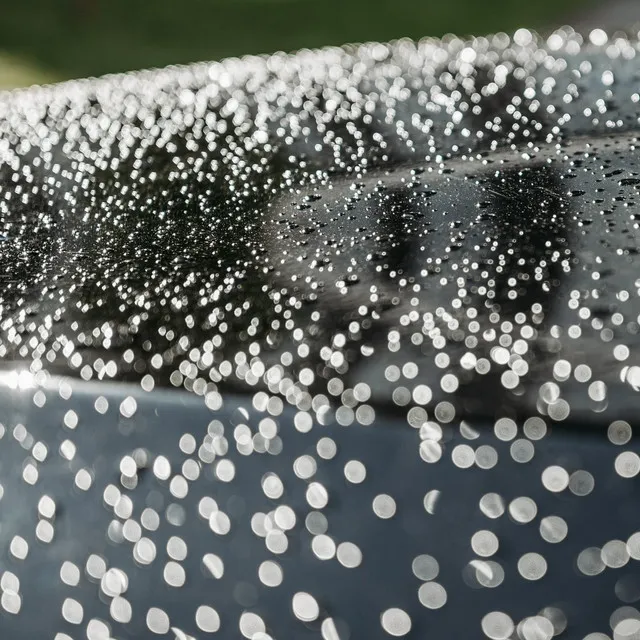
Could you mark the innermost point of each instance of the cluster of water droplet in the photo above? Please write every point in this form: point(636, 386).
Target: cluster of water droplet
point(445, 229)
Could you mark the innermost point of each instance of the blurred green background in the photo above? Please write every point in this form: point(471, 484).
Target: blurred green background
point(49, 40)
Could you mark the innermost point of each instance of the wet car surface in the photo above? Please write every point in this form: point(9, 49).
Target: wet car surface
point(340, 345)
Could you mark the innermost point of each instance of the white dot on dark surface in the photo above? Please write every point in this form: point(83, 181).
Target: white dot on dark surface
point(497, 625)
point(207, 619)
point(305, 607)
point(432, 595)
point(384, 506)
point(396, 622)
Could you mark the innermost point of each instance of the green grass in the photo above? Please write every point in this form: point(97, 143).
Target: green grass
point(74, 38)
point(18, 73)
